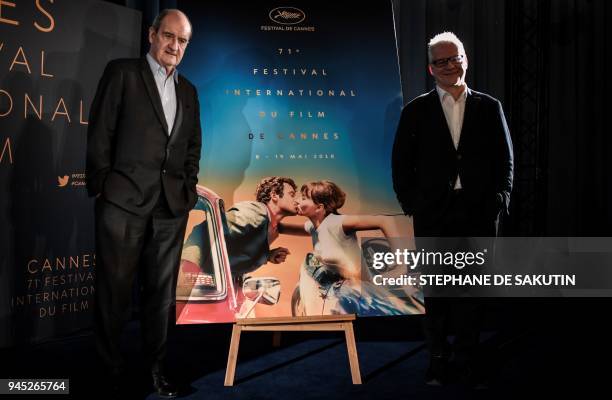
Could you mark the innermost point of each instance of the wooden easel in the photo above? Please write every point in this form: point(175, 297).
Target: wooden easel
point(318, 323)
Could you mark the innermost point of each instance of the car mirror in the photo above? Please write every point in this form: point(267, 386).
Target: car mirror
point(262, 290)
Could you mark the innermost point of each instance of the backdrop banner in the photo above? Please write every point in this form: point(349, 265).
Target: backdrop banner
point(307, 95)
point(52, 55)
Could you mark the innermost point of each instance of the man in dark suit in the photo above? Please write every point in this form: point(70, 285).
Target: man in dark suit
point(452, 169)
point(253, 225)
point(143, 156)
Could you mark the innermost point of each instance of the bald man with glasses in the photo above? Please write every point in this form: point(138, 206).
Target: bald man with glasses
point(143, 157)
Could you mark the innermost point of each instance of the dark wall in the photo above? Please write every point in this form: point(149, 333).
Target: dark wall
point(580, 147)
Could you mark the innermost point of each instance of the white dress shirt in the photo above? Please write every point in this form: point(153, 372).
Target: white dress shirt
point(453, 111)
point(166, 89)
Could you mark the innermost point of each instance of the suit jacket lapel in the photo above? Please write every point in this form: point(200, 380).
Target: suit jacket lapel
point(439, 121)
point(178, 119)
point(472, 103)
point(147, 76)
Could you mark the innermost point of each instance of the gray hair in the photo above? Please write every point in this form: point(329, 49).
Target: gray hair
point(163, 14)
point(444, 37)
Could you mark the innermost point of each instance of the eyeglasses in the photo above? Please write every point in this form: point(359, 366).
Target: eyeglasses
point(443, 61)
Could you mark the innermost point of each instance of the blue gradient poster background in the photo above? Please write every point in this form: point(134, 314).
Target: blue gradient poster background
point(355, 49)
point(309, 90)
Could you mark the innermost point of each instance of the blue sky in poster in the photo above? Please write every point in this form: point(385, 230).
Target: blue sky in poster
point(351, 50)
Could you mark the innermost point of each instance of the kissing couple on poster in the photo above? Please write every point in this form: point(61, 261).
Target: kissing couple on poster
point(332, 280)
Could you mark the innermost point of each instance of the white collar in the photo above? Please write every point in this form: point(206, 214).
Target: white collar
point(442, 93)
point(158, 69)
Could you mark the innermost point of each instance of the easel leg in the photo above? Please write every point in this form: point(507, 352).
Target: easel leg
point(352, 353)
point(276, 339)
point(232, 357)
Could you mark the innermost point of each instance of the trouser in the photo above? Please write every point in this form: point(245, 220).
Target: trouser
point(462, 314)
point(127, 244)
point(446, 309)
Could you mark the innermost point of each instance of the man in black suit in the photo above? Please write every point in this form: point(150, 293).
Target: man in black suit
point(143, 156)
point(452, 171)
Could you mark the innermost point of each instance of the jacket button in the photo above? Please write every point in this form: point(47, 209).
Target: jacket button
point(459, 157)
point(163, 171)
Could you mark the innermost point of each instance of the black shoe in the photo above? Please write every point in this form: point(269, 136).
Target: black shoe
point(437, 373)
point(472, 378)
point(163, 386)
point(115, 383)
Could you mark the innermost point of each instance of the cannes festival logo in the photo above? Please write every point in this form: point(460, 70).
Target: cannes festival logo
point(62, 180)
point(287, 15)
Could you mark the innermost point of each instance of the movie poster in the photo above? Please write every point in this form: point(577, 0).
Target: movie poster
point(299, 107)
point(52, 54)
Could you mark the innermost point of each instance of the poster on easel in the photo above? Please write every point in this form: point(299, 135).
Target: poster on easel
point(299, 106)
